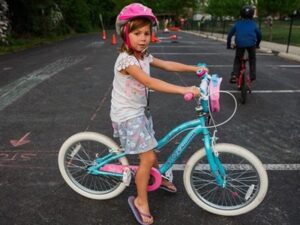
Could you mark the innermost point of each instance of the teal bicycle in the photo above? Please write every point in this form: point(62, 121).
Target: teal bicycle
point(222, 178)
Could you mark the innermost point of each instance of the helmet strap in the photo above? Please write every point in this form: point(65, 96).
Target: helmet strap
point(127, 40)
point(126, 36)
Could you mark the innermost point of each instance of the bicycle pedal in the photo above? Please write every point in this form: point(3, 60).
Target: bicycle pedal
point(126, 176)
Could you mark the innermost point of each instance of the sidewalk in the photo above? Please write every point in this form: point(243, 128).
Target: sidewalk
point(265, 46)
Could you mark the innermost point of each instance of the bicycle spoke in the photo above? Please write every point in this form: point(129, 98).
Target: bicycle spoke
point(240, 177)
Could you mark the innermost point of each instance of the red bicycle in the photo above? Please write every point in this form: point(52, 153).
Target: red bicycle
point(243, 82)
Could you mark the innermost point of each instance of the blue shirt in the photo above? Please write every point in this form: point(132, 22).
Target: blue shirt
point(246, 34)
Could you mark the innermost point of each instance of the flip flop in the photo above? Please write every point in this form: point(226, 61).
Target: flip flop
point(166, 188)
point(137, 214)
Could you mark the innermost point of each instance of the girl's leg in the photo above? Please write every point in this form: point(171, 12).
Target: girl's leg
point(239, 54)
point(142, 176)
point(252, 62)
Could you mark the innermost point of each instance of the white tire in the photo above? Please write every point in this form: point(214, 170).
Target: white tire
point(241, 194)
point(79, 151)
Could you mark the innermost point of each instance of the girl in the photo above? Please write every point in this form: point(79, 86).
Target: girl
point(130, 116)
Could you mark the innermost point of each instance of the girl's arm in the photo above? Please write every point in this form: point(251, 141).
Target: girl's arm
point(159, 85)
point(174, 66)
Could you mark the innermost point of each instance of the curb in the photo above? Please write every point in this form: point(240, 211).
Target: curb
point(289, 56)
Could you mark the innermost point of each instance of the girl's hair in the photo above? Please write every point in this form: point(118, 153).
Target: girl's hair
point(134, 24)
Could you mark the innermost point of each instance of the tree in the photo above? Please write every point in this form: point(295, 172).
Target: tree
point(223, 8)
point(3, 22)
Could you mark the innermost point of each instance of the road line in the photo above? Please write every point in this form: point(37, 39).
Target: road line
point(271, 167)
point(177, 167)
point(175, 46)
point(291, 66)
point(266, 91)
point(200, 53)
point(262, 91)
point(13, 91)
point(281, 66)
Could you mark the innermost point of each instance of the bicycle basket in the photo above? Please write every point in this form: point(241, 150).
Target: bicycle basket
point(210, 90)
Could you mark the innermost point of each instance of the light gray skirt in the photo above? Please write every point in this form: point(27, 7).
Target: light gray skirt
point(136, 135)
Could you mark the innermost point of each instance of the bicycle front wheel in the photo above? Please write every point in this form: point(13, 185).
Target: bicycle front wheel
point(77, 154)
point(246, 181)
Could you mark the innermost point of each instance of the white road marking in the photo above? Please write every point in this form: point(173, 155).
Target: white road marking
point(292, 66)
point(272, 167)
point(230, 65)
point(200, 53)
point(267, 91)
point(260, 91)
point(176, 46)
point(11, 92)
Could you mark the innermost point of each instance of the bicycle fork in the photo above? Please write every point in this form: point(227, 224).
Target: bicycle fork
point(215, 165)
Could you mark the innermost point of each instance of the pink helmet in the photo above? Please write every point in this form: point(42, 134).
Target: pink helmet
point(132, 11)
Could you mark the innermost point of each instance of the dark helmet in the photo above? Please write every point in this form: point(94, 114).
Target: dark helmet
point(247, 12)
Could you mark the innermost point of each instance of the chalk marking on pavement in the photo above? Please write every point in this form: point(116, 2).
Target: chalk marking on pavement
point(11, 92)
point(95, 44)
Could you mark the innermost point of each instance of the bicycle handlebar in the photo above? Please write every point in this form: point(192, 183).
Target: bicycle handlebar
point(200, 73)
point(209, 90)
point(188, 96)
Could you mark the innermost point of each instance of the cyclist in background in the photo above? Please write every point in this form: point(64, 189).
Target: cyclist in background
point(247, 37)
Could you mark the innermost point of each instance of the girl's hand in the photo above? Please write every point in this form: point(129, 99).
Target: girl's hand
point(194, 90)
point(202, 68)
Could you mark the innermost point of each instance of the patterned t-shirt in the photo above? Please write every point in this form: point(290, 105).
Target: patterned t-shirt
point(128, 95)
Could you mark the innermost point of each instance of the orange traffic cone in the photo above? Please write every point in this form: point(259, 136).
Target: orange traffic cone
point(104, 35)
point(173, 37)
point(113, 39)
point(154, 39)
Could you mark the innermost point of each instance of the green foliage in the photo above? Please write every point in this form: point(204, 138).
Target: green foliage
point(76, 14)
point(55, 17)
point(225, 7)
point(33, 17)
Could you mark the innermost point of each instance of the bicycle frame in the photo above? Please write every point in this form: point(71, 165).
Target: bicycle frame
point(196, 127)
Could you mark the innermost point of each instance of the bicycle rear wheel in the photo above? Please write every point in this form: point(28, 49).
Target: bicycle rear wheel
point(244, 88)
point(246, 181)
point(78, 153)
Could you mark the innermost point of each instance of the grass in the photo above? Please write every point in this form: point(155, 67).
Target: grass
point(280, 32)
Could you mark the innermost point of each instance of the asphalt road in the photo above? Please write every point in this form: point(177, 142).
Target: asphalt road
point(53, 91)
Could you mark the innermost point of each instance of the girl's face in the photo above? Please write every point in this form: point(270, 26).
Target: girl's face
point(140, 38)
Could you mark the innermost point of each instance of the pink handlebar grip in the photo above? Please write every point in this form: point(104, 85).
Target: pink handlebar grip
point(188, 96)
point(201, 72)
